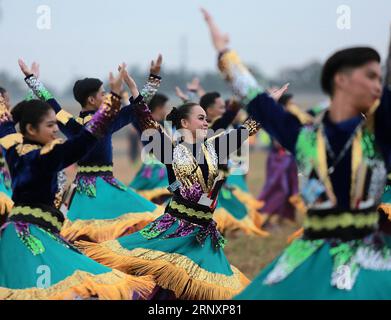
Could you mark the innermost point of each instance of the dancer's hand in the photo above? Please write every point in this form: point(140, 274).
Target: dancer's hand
point(132, 85)
point(195, 86)
point(181, 95)
point(29, 71)
point(116, 82)
point(220, 41)
point(156, 65)
point(276, 93)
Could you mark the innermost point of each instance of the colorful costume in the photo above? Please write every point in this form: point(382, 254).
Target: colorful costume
point(151, 180)
point(341, 255)
point(35, 262)
point(182, 249)
point(281, 184)
point(102, 208)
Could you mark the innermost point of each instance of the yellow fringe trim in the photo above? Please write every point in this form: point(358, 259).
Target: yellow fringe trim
point(252, 205)
point(295, 235)
point(11, 140)
point(171, 271)
point(225, 222)
point(386, 208)
point(297, 201)
point(154, 193)
point(113, 285)
point(100, 230)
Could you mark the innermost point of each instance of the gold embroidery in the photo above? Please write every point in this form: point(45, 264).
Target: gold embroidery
point(322, 167)
point(63, 117)
point(84, 120)
point(50, 146)
point(190, 211)
point(10, 140)
point(302, 116)
point(38, 213)
point(23, 149)
point(86, 169)
point(343, 220)
point(357, 156)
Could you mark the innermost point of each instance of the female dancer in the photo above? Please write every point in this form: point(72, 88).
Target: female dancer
point(35, 262)
point(101, 207)
point(182, 249)
point(341, 157)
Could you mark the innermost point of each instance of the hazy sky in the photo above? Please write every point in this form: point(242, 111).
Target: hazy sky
point(90, 37)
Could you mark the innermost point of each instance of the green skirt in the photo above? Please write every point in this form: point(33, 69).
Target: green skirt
point(36, 264)
point(238, 210)
point(151, 181)
point(320, 270)
point(182, 257)
point(102, 211)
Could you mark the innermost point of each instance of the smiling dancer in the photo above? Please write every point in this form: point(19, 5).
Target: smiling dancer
point(341, 157)
point(35, 262)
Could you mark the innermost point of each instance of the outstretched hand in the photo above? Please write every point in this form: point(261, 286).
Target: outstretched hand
point(116, 82)
point(277, 93)
point(156, 65)
point(195, 86)
point(181, 95)
point(220, 41)
point(34, 69)
point(132, 85)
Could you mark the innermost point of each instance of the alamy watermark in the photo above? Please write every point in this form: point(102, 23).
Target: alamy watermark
point(44, 20)
point(344, 19)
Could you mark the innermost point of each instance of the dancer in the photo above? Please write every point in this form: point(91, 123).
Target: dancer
point(5, 181)
point(182, 249)
point(102, 208)
point(340, 255)
point(35, 262)
point(281, 188)
point(151, 180)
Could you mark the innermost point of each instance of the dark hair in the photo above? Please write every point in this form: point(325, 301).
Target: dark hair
point(208, 99)
point(158, 100)
point(29, 112)
point(179, 113)
point(2, 90)
point(285, 98)
point(345, 59)
point(86, 88)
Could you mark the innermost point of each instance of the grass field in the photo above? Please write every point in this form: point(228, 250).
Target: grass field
point(249, 254)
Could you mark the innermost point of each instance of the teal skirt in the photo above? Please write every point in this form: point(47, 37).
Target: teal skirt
point(104, 211)
point(317, 270)
point(237, 210)
point(182, 257)
point(151, 181)
point(40, 265)
point(5, 183)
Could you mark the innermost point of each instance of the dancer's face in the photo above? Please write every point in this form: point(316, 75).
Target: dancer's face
point(196, 123)
point(217, 110)
point(363, 85)
point(46, 131)
point(7, 100)
point(97, 100)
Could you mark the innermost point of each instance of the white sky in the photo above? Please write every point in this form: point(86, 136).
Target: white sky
point(90, 37)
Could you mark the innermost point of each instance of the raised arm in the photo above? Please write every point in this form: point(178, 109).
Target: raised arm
point(57, 156)
point(68, 125)
point(153, 136)
point(126, 114)
point(282, 125)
